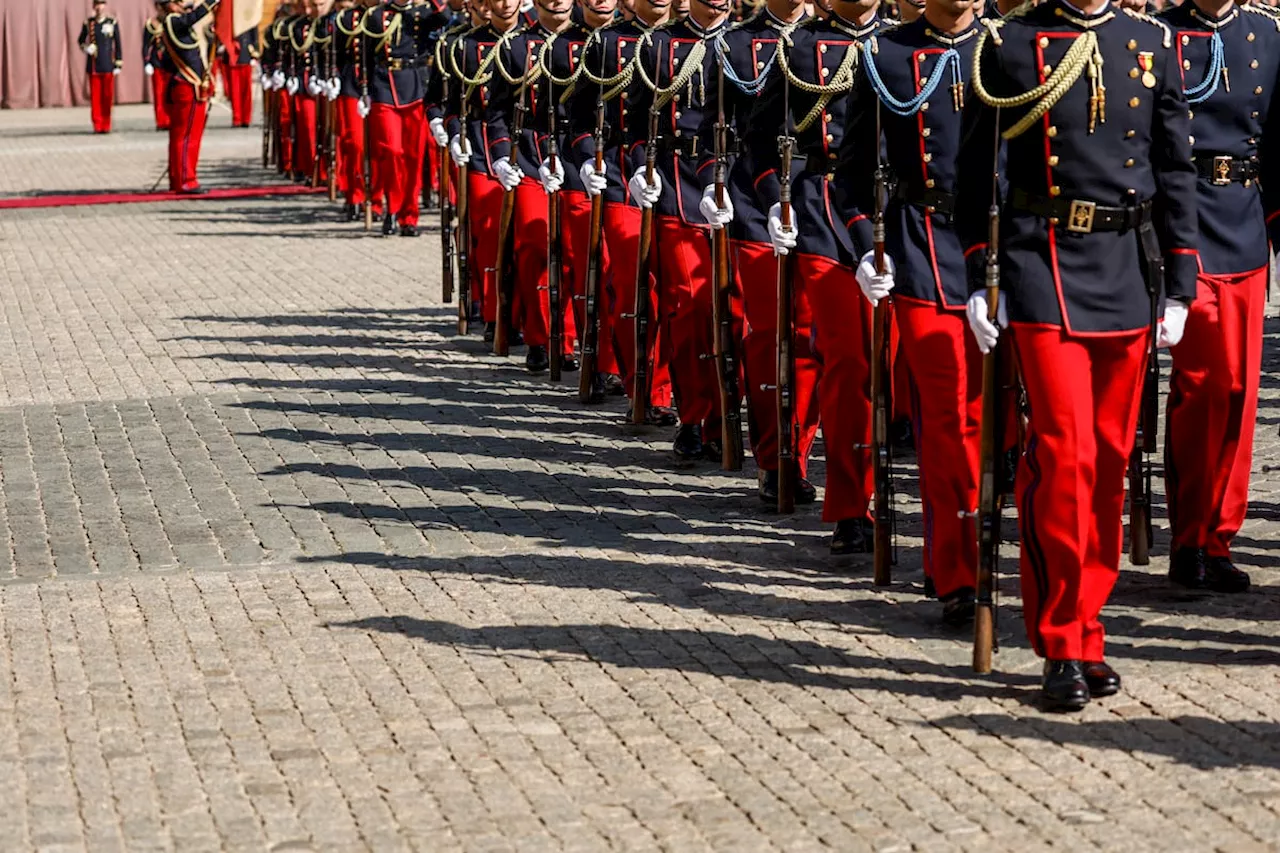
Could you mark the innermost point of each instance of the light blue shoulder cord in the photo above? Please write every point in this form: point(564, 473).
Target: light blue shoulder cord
point(950, 57)
point(1203, 90)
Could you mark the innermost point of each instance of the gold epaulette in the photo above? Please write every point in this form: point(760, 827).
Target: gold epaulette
point(1167, 39)
point(1272, 15)
point(355, 29)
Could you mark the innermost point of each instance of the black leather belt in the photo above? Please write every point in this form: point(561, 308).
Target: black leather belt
point(687, 146)
point(933, 201)
point(1079, 216)
point(401, 64)
point(1221, 171)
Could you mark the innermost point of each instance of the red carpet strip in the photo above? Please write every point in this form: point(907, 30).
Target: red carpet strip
point(79, 199)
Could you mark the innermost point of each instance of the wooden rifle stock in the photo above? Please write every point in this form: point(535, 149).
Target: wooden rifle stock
point(1140, 527)
point(502, 267)
point(881, 452)
point(446, 209)
point(990, 473)
point(595, 244)
point(788, 463)
point(722, 317)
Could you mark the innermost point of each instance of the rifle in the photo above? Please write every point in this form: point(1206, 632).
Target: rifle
point(595, 244)
point(1140, 528)
point(462, 237)
point(788, 470)
point(267, 107)
point(881, 453)
point(721, 316)
point(502, 264)
point(553, 246)
point(331, 115)
point(446, 206)
point(990, 473)
point(641, 388)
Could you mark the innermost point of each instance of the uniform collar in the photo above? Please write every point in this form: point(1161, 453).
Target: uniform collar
point(1083, 20)
point(947, 40)
point(852, 29)
point(1209, 20)
point(776, 22)
point(693, 25)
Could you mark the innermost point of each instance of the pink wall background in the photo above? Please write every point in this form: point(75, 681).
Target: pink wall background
point(40, 63)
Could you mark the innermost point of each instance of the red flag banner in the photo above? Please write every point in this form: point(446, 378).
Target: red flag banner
point(225, 25)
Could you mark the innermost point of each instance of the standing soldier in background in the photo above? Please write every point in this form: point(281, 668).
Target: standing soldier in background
point(817, 63)
point(908, 102)
point(748, 52)
point(189, 52)
point(396, 35)
point(100, 40)
point(1098, 223)
point(352, 108)
point(1230, 62)
point(237, 76)
point(153, 66)
point(610, 77)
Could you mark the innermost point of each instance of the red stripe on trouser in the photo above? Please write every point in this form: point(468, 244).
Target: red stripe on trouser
point(351, 144)
point(160, 98)
point(842, 336)
point(683, 255)
point(756, 269)
point(484, 203)
point(946, 367)
point(304, 118)
point(102, 94)
point(622, 239)
point(529, 245)
point(1213, 404)
point(575, 225)
point(398, 145)
point(1083, 395)
point(185, 133)
point(285, 101)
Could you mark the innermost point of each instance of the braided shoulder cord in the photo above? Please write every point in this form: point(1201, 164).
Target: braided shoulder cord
point(950, 59)
point(841, 81)
point(566, 84)
point(662, 95)
point(1266, 13)
point(531, 72)
point(483, 73)
point(392, 29)
point(753, 86)
point(1167, 40)
point(355, 29)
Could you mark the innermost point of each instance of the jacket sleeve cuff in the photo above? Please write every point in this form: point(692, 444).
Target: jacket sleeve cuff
point(768, 189)
point(1182, 266)
point(975, 267)
point(860, 234)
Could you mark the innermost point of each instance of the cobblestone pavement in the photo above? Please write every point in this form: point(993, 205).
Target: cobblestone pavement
point(285, 565)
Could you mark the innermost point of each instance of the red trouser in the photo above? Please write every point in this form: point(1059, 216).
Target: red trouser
point(575, 237)
point(237, 80)
point(756, 269)
point(622, 238)
point(484, 203)
point(683, 256)
point(160, 97)
point(285, 101)
point(529, 255)
point(351, 144)
point(305, 109)
point(946, 366)
point(399, 139)
point(432, 164)
point(842, 337)
point(102, 94)
point(186, 130)
point(1083, 394)
point(1213, 403)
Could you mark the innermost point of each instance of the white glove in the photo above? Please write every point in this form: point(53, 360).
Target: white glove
point(717, 217)
point(875, 285)
point(363, 106)
point(148, 69)
point(645, 193)
point(91, 49)
point(265, 80)
point(458, 152)
point(594, 181)
point(253, 63)
point(116, 72)
point(438, 132)
point(551, 181)
point(1173, 324)
point(313, 87)
point(335, 89)
point(784, 239)
point(277, 80)
point(509, 176)
point(985, 333)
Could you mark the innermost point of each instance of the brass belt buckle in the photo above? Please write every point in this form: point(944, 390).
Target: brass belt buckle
point(1080, 218)
point(1221, 171)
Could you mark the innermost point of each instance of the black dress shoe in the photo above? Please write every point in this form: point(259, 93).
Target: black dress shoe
point(195, 191)
point(664, 416)
point(713, 449)
point(957, 608)
point(1225, 577)
point(536, 361)
point(1195, 569)
point(516, 338)
point(349, 213)
point(388, 225)
point(688, 443)
point(613, 385)
point(1102, 679)
point(569, 364)
point(408, 230)
point(1063, 687)
point(850, 537)
point(805, 492)
point(490, 329)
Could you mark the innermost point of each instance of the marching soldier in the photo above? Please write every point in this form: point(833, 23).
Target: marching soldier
point(396, 36)
point(610, 77)
point(100, 41)
point(816, 73)
point(189, 54)
point(1085, 103)
point(907, 101)
point(678, 70)
point(153, 66)
point(237, 76)
point(353, 107)
point(1230, 61)
point(277, 70)
point(748, 53)
point(306, 84)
